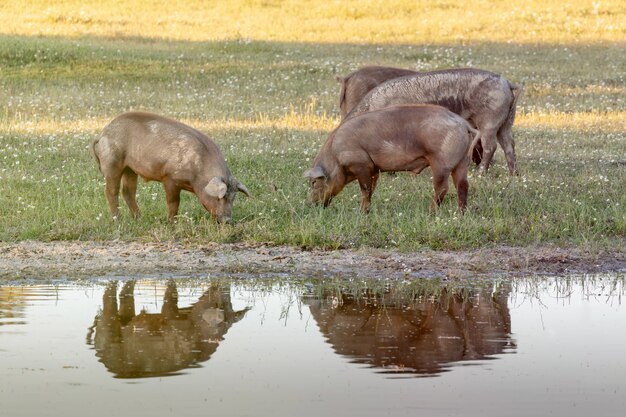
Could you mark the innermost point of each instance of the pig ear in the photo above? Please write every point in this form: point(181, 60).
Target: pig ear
point(340, 79)
point(315, 172)
point(243, 189)
point(216, 188)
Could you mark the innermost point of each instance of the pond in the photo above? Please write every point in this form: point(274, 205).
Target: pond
point(297, 347)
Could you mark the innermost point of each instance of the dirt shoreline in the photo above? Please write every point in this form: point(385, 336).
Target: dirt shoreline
point(31, 260)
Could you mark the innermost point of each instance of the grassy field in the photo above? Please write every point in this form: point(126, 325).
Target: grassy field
point(259, 78)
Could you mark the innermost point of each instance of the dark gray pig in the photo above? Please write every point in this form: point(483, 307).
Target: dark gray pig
point(398, 138)
point(485, 99)
point(357, 84)
point(165, 150)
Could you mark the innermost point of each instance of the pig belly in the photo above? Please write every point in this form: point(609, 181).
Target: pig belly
point(401, 162)
point(416, 166)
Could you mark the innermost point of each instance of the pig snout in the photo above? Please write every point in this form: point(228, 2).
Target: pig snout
point(224, 209)
point(319, 188)
point(221, 209)
point(317, 198)
point(225, 220)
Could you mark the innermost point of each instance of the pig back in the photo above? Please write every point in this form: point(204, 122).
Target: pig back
point(403, 125)
point(466, 92)
point(394, 137)
point(154, 146)
point(357, 84)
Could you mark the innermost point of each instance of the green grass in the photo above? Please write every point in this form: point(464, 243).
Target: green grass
point(268, 98)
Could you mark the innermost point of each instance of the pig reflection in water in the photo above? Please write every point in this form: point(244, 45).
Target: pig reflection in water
point(148, 345)
point(421, 336)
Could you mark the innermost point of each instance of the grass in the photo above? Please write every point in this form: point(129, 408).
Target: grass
point(354, 21)
point(266, 94)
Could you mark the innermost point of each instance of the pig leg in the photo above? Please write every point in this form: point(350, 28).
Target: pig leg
point(170, 302)
point(440, 184)
point(112, 192)
point(172, 196)
point(374, 183)
point(367, 183)
point(109, 301)
point(505, 138)
point(489, 142)
point(459, 177)
point(129, 191)
point(477, 153)
point(127, 302)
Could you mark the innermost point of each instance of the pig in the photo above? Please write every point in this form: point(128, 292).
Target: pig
point(396, 138)
point(377, 329)
point(357, 84)
point(486, 100)
point(144, 345)
point(165, 150)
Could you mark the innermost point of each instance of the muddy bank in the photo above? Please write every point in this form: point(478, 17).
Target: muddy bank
point(73, 260)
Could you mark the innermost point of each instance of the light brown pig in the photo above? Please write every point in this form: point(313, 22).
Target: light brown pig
point(165, 150)
point(144, 345)
point(398, 138)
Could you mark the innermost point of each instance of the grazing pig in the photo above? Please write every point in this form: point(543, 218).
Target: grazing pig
point(398, 138)
point(357, 84)
point(485, 99)
point(161, 149)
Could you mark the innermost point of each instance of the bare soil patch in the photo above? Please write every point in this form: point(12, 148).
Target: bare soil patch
point(73, 260)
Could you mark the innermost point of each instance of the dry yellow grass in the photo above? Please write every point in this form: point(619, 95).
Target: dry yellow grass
point(579, 121)
point(349, 21)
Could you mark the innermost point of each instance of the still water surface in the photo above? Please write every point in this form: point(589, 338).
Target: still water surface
point(535, 347)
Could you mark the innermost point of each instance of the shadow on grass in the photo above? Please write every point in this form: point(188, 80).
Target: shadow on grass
point(519, 61)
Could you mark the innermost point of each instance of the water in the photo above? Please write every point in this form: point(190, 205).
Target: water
point(535, 347)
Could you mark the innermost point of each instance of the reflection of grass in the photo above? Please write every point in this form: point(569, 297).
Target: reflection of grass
point(396, 293)
point(269, 102)
point(604, 288)
point(607, 288)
